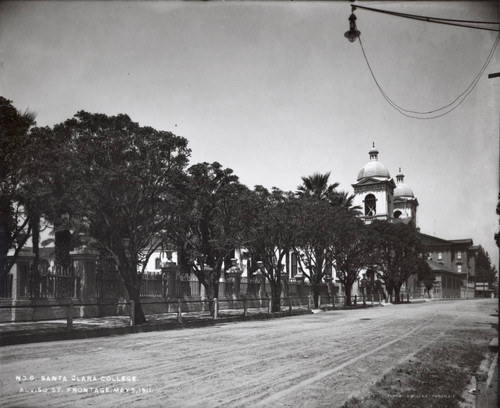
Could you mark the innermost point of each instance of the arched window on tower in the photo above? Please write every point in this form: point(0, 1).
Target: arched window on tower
point(370, 205)
point(397, 214)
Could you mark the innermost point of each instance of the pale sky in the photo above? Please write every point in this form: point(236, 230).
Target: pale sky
point(274, 91)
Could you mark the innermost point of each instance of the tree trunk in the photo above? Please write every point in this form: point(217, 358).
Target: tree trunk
point(275, 296)
point(3, 258)
point(210, 291)
point(35, 238)
point(211, 285)
point(397, 291)
point(3, 245)
point(62, 249)
point(315, 289)
point(134, 294)
point(389, 293)
point(348, 289)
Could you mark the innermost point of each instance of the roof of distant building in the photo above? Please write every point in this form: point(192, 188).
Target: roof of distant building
point(467, 241)
point(437, 267)
point(430, 240)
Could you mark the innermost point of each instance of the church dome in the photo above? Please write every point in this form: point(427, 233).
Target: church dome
point(402, 189)
point(374, 168)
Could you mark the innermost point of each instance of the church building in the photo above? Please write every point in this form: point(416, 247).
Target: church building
point(380, 198)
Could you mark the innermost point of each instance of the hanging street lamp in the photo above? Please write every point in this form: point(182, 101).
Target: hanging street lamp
point(353, 33)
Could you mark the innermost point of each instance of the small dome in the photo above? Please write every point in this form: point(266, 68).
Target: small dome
point(402, 189)
point(374, 168)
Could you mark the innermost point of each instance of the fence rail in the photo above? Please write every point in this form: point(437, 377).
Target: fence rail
point(55, 286)
point(213, 308)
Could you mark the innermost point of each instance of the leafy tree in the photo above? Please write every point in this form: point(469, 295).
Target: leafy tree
point(52, 156)
point(350, 250)
point(396, 253)
point(426, 275)
point(127, 195)
point(274, 234)
point(318, 229)
point(15, 226)
point(315, 223)
point(485, 271)
point(214, 222)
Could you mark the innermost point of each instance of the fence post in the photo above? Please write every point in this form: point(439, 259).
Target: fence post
point(269, 305)
point(290, 304)
point(408, 297)
point(333, 301)
point(179, 310)
point(216, 308)
point(245, 306)
point(309, 302)
point(355, 300)
point(364, 300)
point(132, 313)
point(69, 317)
point(319, 301)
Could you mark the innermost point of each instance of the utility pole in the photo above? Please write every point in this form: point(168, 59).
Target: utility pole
point(490, 76)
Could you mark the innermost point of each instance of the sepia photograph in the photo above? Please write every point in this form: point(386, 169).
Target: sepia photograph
point(249, 203)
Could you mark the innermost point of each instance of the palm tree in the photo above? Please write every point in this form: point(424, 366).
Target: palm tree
point(316, 186)
point(345, 200)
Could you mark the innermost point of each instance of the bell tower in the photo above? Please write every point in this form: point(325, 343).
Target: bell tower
point(405, 202)
point(374, 190)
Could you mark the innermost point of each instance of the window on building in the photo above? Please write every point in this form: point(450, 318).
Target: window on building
point(397, 214)
point(459, 268)
point(459, 255)
point(157, 263)
point(370, 205)
point(440, 256)
point(294, 263)
point(444, 282)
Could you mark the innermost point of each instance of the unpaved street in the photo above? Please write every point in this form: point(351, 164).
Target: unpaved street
point(317, 360)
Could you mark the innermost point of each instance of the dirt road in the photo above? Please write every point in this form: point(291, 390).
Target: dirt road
point(317, 360)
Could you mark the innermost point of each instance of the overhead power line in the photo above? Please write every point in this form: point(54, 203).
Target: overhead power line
point(447, 108)
point(443, 110)
point(437, 20)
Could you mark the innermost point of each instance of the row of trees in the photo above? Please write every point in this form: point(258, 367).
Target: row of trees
point(127, 190)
